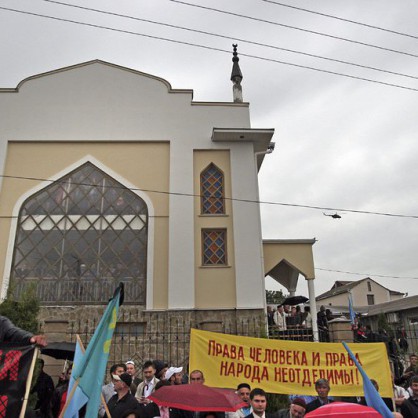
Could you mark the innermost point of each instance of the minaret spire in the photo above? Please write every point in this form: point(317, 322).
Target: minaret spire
point(236, 76)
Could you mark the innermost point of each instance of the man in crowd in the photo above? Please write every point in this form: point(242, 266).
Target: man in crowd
point(160, 369)
point(280, 318)
point(258, 400)
point(123, 402)
point(44, 388)
point(109, 390)
point(400, 395)
point(131, 369)
point(196, 377)
point(409, 408)
point(296, 410)
point(60, 394)
point(11, 333)
point(410, 371)
point(270, 316)
point(322, 322)
point(322, 389)
point(174, 375)
point(243, 391)
point(147, 386)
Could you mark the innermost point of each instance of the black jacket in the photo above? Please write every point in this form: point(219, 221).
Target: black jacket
point(9, 333)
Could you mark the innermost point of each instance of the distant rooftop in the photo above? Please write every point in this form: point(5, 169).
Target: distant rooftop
point(341, 287)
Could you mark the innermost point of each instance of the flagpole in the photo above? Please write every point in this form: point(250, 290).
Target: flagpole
point(29, 382)
point(70, 396)
point(101, 395)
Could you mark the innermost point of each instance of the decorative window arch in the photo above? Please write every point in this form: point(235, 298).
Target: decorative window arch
point(79, 237)
point(212, 191)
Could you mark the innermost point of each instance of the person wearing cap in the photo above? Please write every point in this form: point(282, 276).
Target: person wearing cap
point(146, 387)
point(297, 409)
point(322, 389)
point(173, 375)
point(123, 401)
point(109, 390)
point(243, 391)
point(131, 369)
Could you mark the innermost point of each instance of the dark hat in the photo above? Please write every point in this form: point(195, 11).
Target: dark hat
point(124, 377)
point(159, 365)
point(299, 401)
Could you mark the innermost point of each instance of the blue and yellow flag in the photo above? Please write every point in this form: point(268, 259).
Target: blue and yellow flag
point(372, 396)
point(90, 368)
point(351, 310)
point(78, 399)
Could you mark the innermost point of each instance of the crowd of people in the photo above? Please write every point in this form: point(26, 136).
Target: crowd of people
point(127, 393)
point(295, 322)
point(288, 317)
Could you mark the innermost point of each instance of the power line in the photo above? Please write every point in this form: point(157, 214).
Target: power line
point(210, 48)
point(229, 37)
point(295, 28)
point(259, 202)
point(342, 19)
point(367, 274)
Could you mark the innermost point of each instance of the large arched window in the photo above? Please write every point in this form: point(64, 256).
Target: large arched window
point(79, 237)
point(212, 191)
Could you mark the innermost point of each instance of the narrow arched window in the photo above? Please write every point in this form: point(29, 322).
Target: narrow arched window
point(212, 191)
point(79, 237)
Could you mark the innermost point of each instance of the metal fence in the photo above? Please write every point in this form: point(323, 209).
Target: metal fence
point(161, 336)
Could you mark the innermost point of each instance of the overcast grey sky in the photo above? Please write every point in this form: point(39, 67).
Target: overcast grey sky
point(340, 142)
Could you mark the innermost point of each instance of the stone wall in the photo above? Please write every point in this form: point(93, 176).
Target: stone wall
point(141, 335)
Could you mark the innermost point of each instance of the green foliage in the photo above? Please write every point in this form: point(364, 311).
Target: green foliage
point(23, 312)
point(382, 323)
point(274, 297)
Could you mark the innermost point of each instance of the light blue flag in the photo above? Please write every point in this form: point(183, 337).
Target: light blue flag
point(79, 398)
point(372, 396)
point(90, 370)
point(351, 310)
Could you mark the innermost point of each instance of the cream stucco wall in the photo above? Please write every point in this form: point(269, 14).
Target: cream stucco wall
point(47, 161)
point(147, 133)
point(359, 295)
point(208, 280)
point(297, 253)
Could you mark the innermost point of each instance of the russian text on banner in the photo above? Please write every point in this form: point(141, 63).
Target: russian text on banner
point(289, 367)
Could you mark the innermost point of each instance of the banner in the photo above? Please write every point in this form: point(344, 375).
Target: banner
point(287, 367)
point(15, 362)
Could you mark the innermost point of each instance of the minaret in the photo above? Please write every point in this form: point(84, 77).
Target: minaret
point(236, 76)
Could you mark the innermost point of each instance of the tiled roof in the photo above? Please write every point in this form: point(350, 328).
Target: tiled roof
point(350, 285)
point(394, 305)
point(340, 289)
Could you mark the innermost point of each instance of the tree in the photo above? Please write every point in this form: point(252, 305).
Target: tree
point(382, 323)
point(275, 297)
point(23, 312)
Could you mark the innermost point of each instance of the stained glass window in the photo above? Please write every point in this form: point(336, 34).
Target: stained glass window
point(212, 191)
point(79, 237)
point(214, 247)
